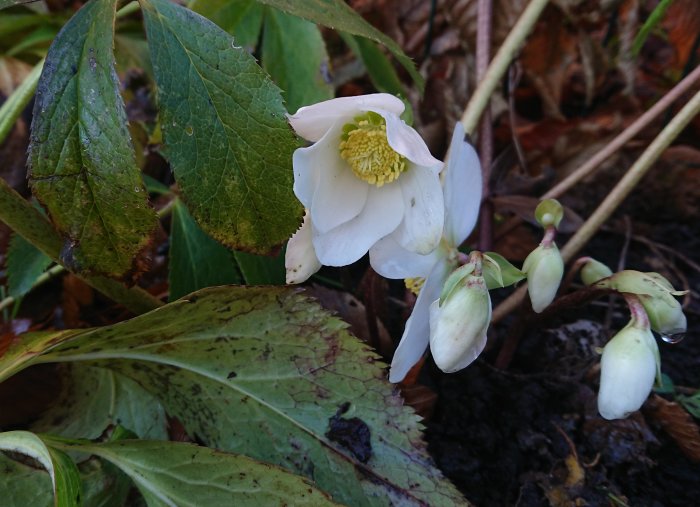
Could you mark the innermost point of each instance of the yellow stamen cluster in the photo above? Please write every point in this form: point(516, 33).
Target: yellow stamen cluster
point(365, 148)
point(414, 284)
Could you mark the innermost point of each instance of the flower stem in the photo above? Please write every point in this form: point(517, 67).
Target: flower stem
point(499, 64)
point(640, 319)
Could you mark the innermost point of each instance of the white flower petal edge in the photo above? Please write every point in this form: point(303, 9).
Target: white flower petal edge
point(416, 335)
point(348, 242)
point(424, 216)
point(312, 122)
point(391, 260)
point(300, 261)
point(463, 188)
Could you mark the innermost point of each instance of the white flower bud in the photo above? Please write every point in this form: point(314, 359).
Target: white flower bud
point(593, 271)
point(545, 268)
point(300, 260)
point(665, 314)
point(627, 370)
point(458, 327)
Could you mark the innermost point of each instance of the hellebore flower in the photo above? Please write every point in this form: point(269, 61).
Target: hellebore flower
point(462, 190)
point(545, 268)
point(367, 175)
point(627, 371)
point(459, 321)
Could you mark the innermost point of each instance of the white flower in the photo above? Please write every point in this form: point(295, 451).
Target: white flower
point(627, 370)
point(300, 260)
point(366, 176)
point(462, 190)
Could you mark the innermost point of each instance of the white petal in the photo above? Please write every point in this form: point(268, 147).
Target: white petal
point(463, 188)
point(348, 242)
point(416, 335)
point(300, 260)
point(424, 210)
point(338, 194)
point(407, 142)
point(627, 371)
point(391, 260)
point(312, 122)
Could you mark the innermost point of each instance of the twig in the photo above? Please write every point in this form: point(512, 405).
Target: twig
point(483, 55)
point(500, 63)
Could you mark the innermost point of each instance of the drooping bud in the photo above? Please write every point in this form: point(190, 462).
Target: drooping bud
point(549, 213)
point(593, 270)
point(300, 260)
point(459, 320)
point(544, 268)
point(628, 367)
point(665, 315)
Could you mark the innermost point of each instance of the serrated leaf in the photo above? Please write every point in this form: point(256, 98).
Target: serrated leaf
point(25, 263)
point(92, 399)
point(63, 472)
point(294, 54)
point(225, 132)
point(261, 270)
point(82, 163)
point(338, 15)
point(196, 260)
point(24, 486)
point(240, 18)
point(170, 473)
point(267, 373)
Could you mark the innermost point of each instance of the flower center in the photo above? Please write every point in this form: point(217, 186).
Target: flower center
point(365, 148)
point(414, 284)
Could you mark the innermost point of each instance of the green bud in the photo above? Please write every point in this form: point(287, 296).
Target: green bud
point(593, 271)
point(627, 370)
point(544, 268)
point(549, 212)
point(665, 315)
point(458, 325)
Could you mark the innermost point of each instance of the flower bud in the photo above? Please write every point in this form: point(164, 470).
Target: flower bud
point(665, 314)
point(627, 370)
point(300, 260)
point(458, 324)
point(544, 268)
point(549, 213)
point(593, 271)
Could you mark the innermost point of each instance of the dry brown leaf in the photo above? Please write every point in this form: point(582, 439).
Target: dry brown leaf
point(677, 423)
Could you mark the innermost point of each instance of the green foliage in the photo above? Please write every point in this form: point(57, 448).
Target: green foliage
point(294, 55)
point(63, 472)
point(498, 272)
point(259, 270)
point(691, 403)
point(196, 260)
point(170, 473)
point(82, 162)
point(25, 263)
point(266, 373)
point(225, 132)
point(379, 67)
point(241, 18)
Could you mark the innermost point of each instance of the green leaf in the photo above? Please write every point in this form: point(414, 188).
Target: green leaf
point(82, 164)
point(294, 54)
point(261, 270)
point(338, 15)
point(25, 263)
point(498, 272)
point(92, 399)
point(240, 18)
point(379, 68)
point(652, 21)
point(267, 373)
point(691, 403)
point(170, 473)
point(196, 260)
point(225, 130)
point(64, 473)
point(23, 486)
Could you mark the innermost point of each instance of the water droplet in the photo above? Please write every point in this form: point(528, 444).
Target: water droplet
point(674, 337)
point(189, 130)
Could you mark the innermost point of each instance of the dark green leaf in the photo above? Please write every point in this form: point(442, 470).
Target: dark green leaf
point(691, 403)
point(82, 163)
point(379, 68)
point(225, 132)
point(261, 270)
point(499, 272)
point(196, 260)
point(294, 54)
point(171, 473)
point(25, 263)
point(338, 15)
point(64, 473)
point(240, 18)
point(94, 398)
point(265, 372)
